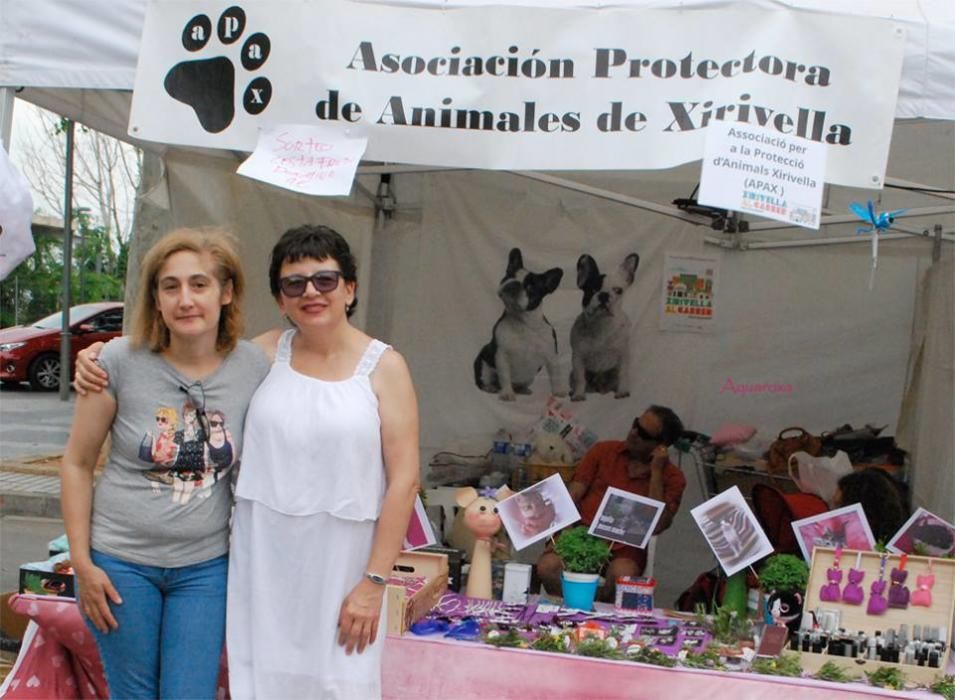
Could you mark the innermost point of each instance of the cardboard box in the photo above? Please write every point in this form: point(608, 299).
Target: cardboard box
point(405, 610)
point(854, 617)
point(455, 562)
point(12, 624)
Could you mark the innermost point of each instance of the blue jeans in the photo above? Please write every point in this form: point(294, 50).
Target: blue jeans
point(171, 629)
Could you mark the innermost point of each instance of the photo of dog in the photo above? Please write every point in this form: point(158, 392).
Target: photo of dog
point(626, 517)
point(732, 531)
point(600, 337)
point(536, 512)
point(523, 341)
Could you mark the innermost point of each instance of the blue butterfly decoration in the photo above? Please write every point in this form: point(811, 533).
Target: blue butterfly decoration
point(879, 223)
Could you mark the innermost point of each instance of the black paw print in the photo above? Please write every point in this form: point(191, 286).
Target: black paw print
point(208, 84)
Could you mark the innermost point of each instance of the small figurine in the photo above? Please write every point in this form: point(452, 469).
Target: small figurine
point(785, 607)
point(482, 519)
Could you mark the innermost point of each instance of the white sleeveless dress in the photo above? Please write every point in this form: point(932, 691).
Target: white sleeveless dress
point(307, 499)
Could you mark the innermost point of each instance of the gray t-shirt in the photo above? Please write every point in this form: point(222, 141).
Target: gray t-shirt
point(165, 495)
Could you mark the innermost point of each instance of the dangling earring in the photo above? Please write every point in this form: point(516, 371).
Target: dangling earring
point(877, 602)
point(853, 593)
point(922, 595)
point(898, 591)
point(830, 591)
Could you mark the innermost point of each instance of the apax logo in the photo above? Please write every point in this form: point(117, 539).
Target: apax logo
point(208, 85)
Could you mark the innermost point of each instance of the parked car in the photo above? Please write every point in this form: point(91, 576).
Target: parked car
point(32, 353)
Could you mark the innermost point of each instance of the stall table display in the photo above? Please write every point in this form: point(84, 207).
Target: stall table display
point(65, 664)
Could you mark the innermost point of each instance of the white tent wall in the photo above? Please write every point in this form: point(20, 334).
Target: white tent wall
point(803, 317)
point(927, 427)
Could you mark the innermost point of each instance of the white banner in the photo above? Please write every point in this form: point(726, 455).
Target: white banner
point(517, 87)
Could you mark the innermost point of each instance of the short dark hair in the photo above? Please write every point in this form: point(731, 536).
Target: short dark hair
point(882, 499)
point(672, 425)
point(318, 243)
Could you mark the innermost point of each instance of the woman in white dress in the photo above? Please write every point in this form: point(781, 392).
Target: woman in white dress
point(325, 492)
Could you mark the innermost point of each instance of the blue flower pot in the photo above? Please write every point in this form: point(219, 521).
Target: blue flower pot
point(579, 589)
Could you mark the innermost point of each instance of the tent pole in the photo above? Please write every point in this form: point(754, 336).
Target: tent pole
point(6, 116)
point(65, 340)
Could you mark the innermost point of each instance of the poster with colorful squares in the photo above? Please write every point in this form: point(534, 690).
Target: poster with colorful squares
point(689, 293)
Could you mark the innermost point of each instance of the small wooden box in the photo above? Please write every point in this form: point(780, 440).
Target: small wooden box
point(855, 618)
point(404, 611)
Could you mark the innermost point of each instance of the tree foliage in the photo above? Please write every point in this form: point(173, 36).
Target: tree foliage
point(34, 290)
point(106, 176)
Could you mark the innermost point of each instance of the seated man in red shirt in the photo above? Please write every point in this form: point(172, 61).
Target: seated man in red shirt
point(640, 465)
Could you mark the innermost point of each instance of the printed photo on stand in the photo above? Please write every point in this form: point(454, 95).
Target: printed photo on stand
point(843, 527)
point(420, 533)
point(538, 511)
point(732, 530)
point(626, 517)
point(924, 534)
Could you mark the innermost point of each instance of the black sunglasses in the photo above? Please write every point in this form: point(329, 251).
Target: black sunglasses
point(644, 434)
point(200, 408)
point(324, 281)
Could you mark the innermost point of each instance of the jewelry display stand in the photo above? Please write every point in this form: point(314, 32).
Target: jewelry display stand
point(854, 618)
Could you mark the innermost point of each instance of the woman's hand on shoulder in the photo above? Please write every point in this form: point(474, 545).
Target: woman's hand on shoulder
point(268, 342)
point(90, 377)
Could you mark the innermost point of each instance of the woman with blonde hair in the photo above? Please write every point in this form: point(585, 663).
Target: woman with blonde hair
point(149, 544)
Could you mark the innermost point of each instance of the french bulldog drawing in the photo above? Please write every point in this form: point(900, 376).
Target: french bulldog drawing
point(523, 340)
point(600, 337)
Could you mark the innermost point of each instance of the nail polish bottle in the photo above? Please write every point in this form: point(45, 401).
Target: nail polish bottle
point(916, 632)
point(933, 659)
point(871, 649)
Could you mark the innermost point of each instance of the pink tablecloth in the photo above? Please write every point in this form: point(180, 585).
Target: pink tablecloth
point(59, 659)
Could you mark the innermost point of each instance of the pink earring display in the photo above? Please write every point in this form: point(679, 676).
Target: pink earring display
point(922, 595)
point(830, 591)
point(898, 591)
point(853, 593)
point(877, 602)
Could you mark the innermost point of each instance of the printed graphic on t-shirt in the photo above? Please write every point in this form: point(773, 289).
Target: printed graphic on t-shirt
point(191, 449)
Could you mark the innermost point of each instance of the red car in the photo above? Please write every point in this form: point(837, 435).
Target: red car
point(32, 353)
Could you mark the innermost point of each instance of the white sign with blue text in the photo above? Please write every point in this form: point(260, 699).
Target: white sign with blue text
point(755, 170)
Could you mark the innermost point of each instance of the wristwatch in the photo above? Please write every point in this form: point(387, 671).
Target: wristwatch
point(377, 579)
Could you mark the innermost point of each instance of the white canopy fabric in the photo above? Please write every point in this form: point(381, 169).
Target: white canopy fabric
point(799, 317)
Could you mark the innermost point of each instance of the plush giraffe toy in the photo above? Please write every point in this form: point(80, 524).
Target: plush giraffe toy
point(482, 519)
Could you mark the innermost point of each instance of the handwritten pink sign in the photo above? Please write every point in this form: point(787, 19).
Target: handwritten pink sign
point(316, 159)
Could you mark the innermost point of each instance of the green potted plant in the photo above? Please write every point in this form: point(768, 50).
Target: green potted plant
point(584, 557)
point(783, 581)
